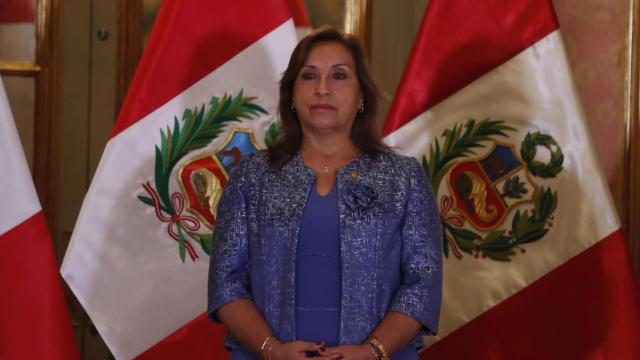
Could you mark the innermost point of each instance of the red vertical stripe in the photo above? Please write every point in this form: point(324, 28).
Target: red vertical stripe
point(189, 40)
point(198, 339)
point(34, 320)
point(588, 308)
point(458, 42)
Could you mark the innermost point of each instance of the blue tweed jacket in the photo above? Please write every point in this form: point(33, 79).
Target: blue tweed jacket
point(390, 237)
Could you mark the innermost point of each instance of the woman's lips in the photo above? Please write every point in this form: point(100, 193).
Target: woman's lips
point(322, 107)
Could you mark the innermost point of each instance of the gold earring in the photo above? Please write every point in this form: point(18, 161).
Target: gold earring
point(293, 109)
point(361, 108)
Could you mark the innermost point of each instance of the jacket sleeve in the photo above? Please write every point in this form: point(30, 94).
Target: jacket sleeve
point(229, 258)
point(420, 292)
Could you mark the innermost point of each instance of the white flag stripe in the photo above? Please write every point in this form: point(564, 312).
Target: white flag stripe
point(533, 91)
point(113, 296)
point(18, 199)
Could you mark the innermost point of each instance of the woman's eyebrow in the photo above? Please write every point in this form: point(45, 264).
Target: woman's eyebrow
point(335, 65)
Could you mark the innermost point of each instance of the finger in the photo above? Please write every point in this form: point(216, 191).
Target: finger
point(329, 353)
point(330, 350)
point(309, 346)
point(332, 356)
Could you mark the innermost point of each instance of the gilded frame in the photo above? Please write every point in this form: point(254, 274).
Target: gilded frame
point(358, 22)
point(631, 213)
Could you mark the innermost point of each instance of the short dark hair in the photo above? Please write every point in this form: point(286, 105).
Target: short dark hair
point(364, 133)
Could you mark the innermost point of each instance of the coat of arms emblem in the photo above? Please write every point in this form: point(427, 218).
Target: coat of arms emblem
point(483, 190)
point(201, 178)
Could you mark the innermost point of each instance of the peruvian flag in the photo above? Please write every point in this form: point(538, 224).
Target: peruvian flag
point(34, 320)
point(535, 263)
point(204, 96)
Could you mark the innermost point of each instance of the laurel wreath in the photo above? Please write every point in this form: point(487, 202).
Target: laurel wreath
point(198, 129)
point(538, 168)
point(528, 225)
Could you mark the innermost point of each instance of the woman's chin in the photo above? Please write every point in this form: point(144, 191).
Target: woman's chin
point(328, 129)
point(326, 126)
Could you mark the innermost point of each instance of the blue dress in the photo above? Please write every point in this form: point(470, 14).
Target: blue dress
point(318, 274)
point(318, 270)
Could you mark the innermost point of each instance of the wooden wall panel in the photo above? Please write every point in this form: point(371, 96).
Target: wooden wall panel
point(599, 40)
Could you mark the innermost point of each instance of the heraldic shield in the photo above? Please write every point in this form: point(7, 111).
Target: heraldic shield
point(490, 186)
point(202, 178)
point(484, 189)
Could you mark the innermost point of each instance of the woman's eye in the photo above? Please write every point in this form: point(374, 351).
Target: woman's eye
point(339, 76)
point(307, 76)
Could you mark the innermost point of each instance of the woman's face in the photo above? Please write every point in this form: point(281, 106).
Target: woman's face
point(326, 93)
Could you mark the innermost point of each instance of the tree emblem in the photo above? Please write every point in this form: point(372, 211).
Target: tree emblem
point(482, 192)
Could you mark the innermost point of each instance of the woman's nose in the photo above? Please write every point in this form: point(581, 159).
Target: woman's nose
point(322, 87)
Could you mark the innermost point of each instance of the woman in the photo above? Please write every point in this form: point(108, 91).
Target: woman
point(328, 245)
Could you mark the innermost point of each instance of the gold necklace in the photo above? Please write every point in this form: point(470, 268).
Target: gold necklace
point(323, 168)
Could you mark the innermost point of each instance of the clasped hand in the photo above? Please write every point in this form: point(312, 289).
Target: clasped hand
point(299, 350)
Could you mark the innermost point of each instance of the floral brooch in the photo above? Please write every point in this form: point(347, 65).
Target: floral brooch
point(358, 197)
